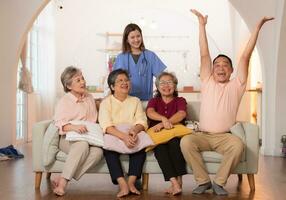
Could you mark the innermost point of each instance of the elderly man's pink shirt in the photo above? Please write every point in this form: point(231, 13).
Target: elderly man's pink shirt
point(70, 108)
point(219, 104)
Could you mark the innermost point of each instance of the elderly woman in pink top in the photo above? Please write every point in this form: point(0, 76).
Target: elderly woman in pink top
point(76, 104)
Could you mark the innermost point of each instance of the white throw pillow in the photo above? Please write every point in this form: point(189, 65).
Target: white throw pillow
point(94, 136)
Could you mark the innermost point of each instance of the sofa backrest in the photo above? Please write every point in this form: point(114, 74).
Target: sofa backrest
point(193, 110)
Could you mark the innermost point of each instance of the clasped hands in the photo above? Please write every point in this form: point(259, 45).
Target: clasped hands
point(165, 123)
point(131, 138)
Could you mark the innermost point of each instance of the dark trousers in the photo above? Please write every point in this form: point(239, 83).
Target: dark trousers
point(170, 159)
point(136, 162)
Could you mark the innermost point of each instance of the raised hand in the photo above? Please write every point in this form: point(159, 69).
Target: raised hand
point(263, 20)
point(202, 19)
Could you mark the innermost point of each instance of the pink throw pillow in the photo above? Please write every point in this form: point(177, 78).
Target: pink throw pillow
point(113, 143)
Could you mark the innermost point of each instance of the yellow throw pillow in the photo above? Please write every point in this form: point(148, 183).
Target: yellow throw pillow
point(165, 135)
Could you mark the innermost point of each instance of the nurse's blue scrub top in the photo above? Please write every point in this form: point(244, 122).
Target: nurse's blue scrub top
point(141, 74)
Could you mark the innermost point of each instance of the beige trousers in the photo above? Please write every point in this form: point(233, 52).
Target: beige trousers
point(230, 146)
point(80, 157)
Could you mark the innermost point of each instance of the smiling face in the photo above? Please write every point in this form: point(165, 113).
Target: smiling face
point(134, 39)
point(121, 85)
point(77, 85)
point(166, 86)
point(222, 70)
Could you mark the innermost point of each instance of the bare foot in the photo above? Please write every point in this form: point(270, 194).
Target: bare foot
point(131, 185)
point(61, 186)
point(176, 190)
point(169, 190)
point(133, 189)
point(55, 181)
point(176, 186)
point(123, 188)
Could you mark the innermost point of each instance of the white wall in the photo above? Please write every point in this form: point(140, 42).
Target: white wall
point(79, 24)
point(280, 110)
point(15, 18)
point(271, 45)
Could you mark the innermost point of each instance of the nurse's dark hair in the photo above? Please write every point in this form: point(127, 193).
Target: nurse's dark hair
point(125, 45)
point(157, 83)
point(67, 75)
point(113, 76)
point(224, 56)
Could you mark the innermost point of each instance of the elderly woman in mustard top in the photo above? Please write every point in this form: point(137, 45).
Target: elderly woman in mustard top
point(120, 108)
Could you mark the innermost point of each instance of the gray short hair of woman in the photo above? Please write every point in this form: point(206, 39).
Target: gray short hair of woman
point(113, 76)
point(172, 75)
point(157, 82)
point(67, 75)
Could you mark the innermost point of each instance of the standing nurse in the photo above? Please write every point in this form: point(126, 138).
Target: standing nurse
point(141, 64)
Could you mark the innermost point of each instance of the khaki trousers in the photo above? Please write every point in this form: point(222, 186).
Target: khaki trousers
point(230, 146)
point(80, 157)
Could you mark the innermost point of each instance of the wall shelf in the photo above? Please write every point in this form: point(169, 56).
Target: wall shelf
point(110, 34)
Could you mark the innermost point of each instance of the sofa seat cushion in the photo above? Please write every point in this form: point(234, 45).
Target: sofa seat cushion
point(211, 156)
point(208, 156)
point(214, 157)
point(61, 156)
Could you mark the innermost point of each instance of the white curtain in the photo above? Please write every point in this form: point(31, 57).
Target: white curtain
point(45, 90)
point(25, 81)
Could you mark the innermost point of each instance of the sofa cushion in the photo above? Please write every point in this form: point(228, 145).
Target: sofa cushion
point(238, 131)
point(211, 156)
point(94, 136)
point(165, 135)
point(50, 144)
point(61, 156)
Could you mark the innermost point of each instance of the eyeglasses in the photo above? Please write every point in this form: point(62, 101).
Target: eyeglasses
point(169, 83)
point(121, 81)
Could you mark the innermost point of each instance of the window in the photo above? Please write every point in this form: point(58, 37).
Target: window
point(40, 61)
point(22, 97)
point(21, 116)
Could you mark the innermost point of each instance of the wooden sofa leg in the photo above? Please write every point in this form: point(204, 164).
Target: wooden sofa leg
point(239, 177)
point(251, 181)
point(145, 181)
point(48, 175)
point(38, 179)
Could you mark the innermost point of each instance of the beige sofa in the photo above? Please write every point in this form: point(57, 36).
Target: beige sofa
point(248, 165)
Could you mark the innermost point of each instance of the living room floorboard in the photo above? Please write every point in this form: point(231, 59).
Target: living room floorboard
point(17, 183)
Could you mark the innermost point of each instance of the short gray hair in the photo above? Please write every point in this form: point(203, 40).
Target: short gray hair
point(172, 75)
point(67, 75)
point(113, 76)
point(157, 82)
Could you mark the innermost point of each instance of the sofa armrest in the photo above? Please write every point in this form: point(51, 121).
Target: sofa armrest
point(252, 146)
point(38, 133)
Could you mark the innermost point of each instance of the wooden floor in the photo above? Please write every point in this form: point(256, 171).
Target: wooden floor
point(17, 183)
